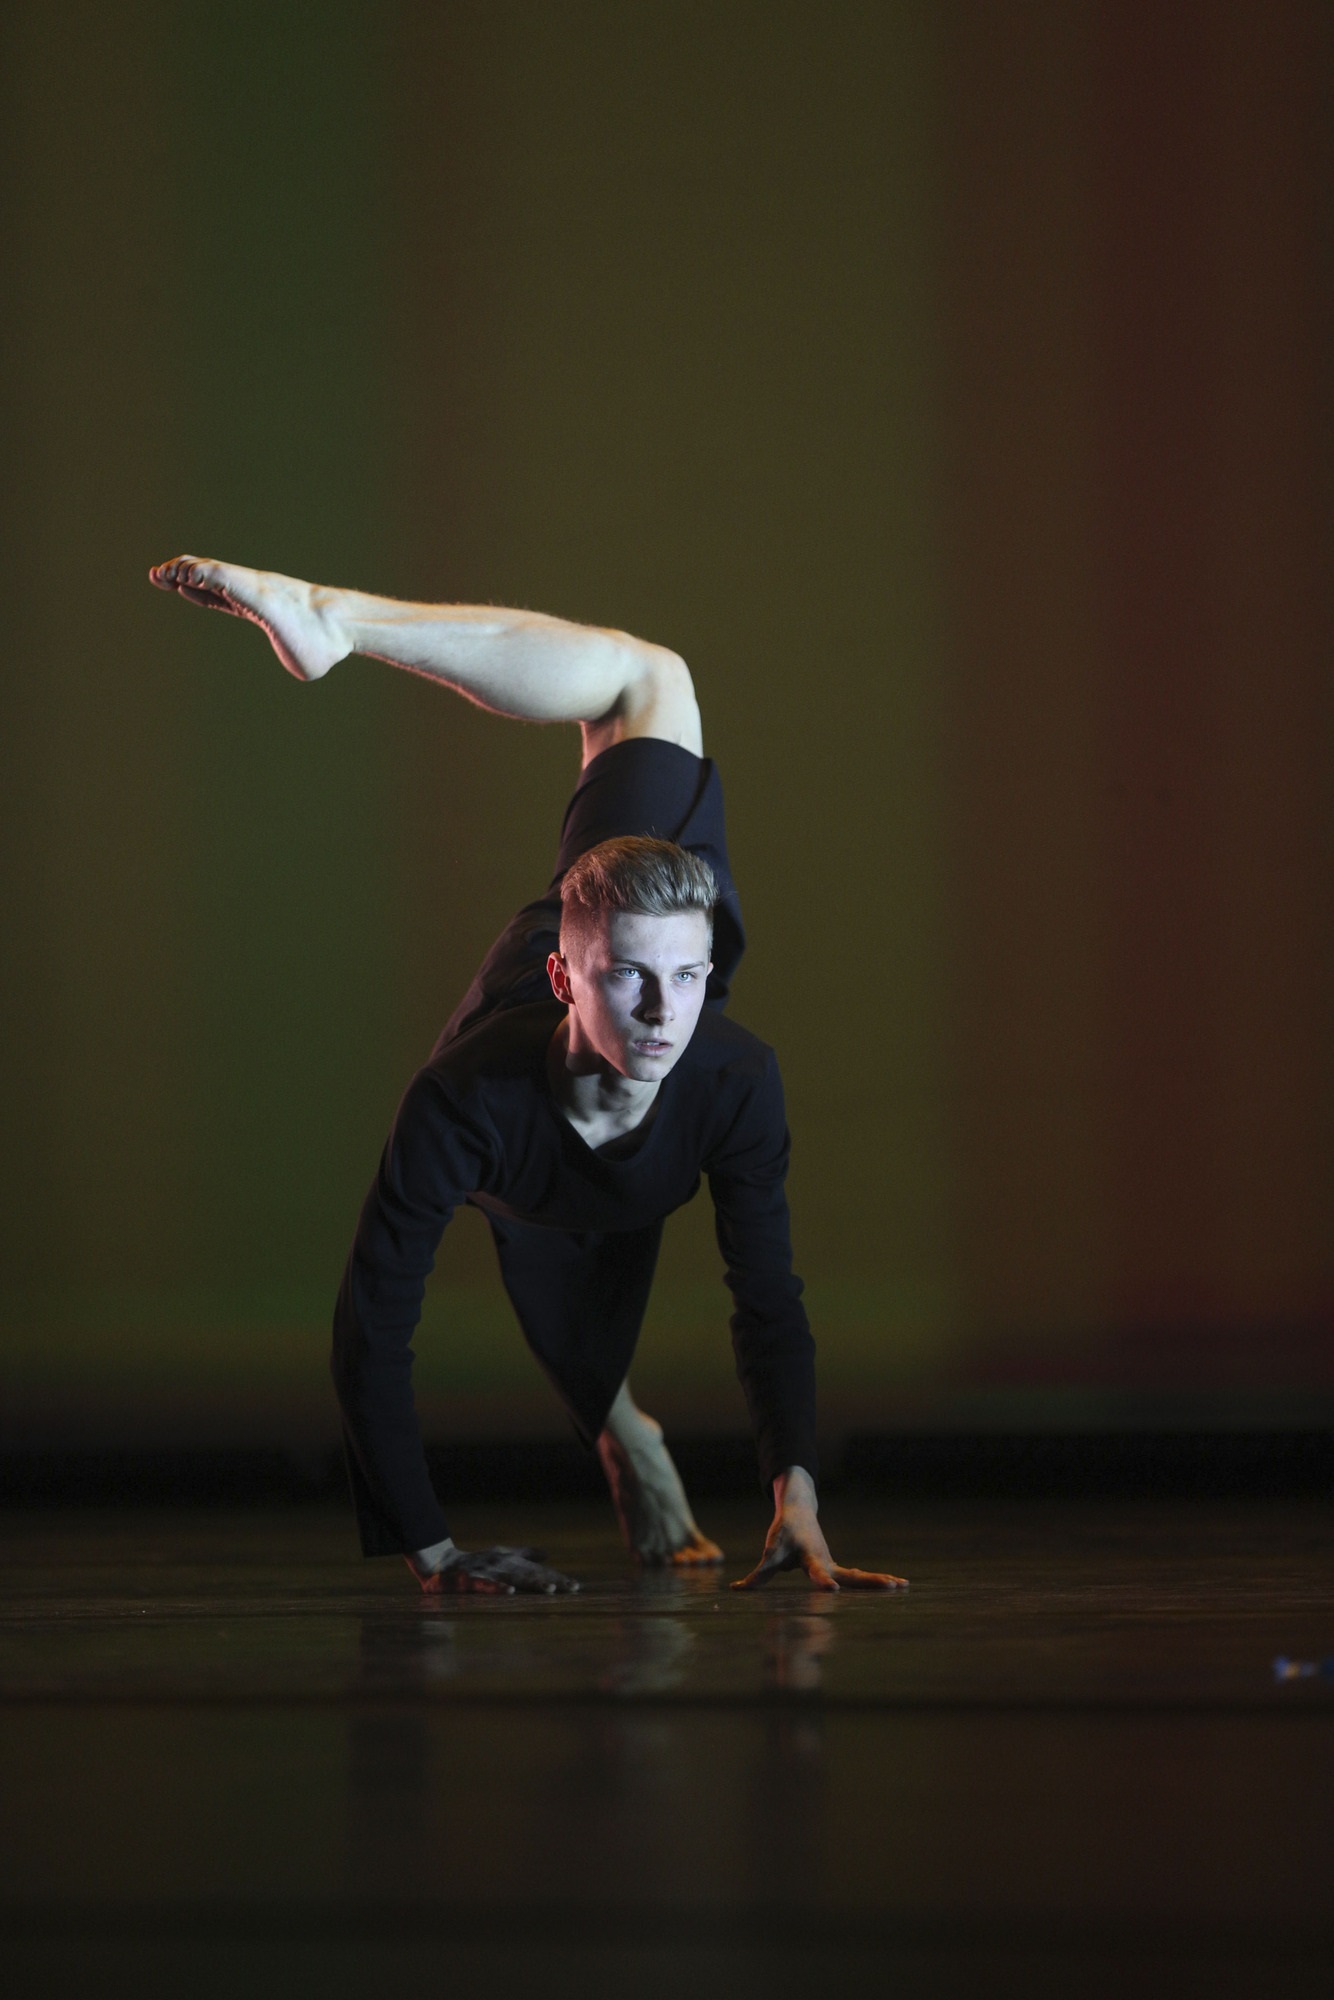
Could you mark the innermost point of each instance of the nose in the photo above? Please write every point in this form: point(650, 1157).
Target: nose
point(654, 1005)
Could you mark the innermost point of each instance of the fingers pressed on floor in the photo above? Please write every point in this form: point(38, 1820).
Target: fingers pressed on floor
point(867, 1579)
point(462, 1583)
point(484, 1583)
point(757, 1578)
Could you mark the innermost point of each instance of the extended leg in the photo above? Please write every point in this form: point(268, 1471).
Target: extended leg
point(646, 1487)
point(520, 663)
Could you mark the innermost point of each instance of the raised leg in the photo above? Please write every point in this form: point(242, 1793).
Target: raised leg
point(519, 663)
point(646, 1489)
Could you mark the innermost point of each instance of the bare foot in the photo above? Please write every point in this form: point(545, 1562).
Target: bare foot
point(650, 1500)
point(298, 618)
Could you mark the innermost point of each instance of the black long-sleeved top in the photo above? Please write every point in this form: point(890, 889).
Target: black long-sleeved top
point(577, 1234)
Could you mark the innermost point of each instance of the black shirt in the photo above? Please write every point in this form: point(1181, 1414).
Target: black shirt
point(577, 1233)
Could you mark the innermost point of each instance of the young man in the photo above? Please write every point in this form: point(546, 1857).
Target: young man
point(585, 1082)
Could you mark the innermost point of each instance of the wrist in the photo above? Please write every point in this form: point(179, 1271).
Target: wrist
point(628, 1426)
point(795, 1488)
point(429, 1562)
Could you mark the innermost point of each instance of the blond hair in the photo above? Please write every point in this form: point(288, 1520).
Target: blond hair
point(650, 878)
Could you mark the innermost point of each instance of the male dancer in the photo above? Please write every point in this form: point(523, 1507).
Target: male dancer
point(586, 1080)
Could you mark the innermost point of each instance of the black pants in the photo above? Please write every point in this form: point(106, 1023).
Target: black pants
point(642, 786)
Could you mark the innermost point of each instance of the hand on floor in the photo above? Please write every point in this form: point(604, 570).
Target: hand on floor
point(659, 1529)
point(495, 1572)
point(796, 1541)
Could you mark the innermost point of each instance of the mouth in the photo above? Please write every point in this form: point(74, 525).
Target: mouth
point(649, 1046)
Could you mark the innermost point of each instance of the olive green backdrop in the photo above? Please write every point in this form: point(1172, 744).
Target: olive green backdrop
point(949, 383)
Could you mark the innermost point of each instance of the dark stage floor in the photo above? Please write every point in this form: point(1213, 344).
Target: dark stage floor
point(238, 1760)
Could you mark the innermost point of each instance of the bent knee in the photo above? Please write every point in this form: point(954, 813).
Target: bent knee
point(660, 700)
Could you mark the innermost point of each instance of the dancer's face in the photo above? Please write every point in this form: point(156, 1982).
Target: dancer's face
point(634, 986)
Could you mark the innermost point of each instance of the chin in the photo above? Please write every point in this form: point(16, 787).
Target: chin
point(647, 1069)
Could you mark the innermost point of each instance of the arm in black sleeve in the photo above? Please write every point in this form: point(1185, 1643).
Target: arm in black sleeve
point(771, 1336)
point(434, 1157)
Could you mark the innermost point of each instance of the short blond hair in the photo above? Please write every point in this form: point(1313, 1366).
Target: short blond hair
point(650, 878)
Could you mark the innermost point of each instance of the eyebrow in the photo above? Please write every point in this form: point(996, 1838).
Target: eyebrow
point(688, 965)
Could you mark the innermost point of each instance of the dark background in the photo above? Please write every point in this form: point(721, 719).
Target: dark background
point(950, 384)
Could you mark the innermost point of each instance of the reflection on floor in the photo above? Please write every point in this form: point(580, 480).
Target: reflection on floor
point(237, 1759)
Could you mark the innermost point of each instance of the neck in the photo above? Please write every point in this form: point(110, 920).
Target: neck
point(587, 1087)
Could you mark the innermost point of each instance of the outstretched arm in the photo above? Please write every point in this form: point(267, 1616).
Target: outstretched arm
point(771, 1336)
point(519, 663)
point(796, 1541)
point(435, 1156)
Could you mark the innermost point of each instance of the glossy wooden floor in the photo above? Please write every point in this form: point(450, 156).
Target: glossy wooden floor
point(237, 1759)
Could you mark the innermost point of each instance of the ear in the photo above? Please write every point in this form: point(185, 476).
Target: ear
point(559, 975)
